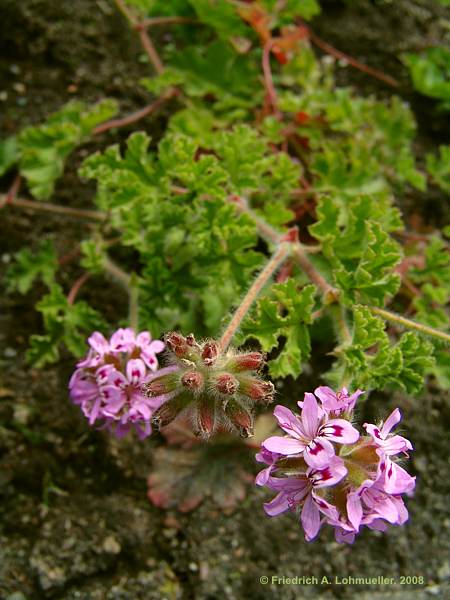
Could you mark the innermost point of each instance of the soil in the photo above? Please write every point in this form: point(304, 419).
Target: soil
point(75, 522)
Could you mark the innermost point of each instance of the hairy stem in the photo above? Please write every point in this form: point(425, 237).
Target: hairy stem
point(117, 273)
point(56, 209)
point(133, 310)
point(279, 256)
point(300, 252)
point(408, 323)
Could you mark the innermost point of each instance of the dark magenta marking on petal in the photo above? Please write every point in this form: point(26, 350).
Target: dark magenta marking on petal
point(316, 450)
point(338, 429)
point(377, 434)
point(325, 474)
point(321, 503)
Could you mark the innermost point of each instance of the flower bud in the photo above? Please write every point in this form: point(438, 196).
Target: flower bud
point(193, 380)
point(169, 411)
point(159, 385)
point(240, 417)
point(209, 353)
point(190, 340)
point(256, 389)
point(177, 343)
point(205, 418)
point(225, 383)
point(251, 361)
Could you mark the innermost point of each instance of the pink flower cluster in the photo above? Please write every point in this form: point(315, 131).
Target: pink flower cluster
point(330, 472)
point(107, 382)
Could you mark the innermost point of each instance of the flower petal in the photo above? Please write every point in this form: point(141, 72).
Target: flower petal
point(310, 518)
point(310, 415)
point(136, 371)
point(288, 421)
point(354, 509)
point(283, 445)
point(278, 505)
point(339, 430)
point(390, 422)
point(318, 453)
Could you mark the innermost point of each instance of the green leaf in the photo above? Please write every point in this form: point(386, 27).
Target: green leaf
point(362, 254)
point(286, 12)
point(8, 154)
point(43, 149)
point(439, 167)
point(30, 265)
point(285, 313)
point(228, 79)
point(371, 361)
point(222, 16)
point(430, 72)
point(64, 323)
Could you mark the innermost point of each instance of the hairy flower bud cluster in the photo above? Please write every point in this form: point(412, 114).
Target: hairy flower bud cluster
point(107, 382)
point(331, 473)
point(218, 389)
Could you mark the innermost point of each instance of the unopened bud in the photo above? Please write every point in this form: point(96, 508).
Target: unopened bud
point(240, 417)
point(209, 353)
point(251, 361)
point(205, 418)
point(256, 389)
point(156, 387)
point(169, 411)
point(176, 342)
point(190, 340)
point(225, 383)
point(193, 380)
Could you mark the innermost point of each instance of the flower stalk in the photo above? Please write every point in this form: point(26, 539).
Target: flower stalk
point(279, 256)
point(420, 327)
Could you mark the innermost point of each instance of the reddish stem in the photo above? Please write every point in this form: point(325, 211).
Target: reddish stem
point(76, 287)
point(268, 79)
point(55, 208)
point(69, 256)
point(351, 61)
point(136, 116)
point(167, 21)
point(150, 49)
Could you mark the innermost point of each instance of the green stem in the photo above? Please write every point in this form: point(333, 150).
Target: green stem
point(56, 209)
point(279, 256)
point(133, 315)
point(117, 273)
point(130, 283)
point(420, 327)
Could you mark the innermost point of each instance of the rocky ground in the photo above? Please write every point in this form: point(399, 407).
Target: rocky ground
point(75, 522)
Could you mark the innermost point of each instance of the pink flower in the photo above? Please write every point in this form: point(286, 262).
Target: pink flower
point(107, 383)
point(354, 484)
point(268, 458)
point(303, 490)
point(337, 402)
point(311, 434)
point(389, 444)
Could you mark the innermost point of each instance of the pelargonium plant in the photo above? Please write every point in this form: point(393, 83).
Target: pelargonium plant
point(331, 473)
point(264, 218)
point(107, 383)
